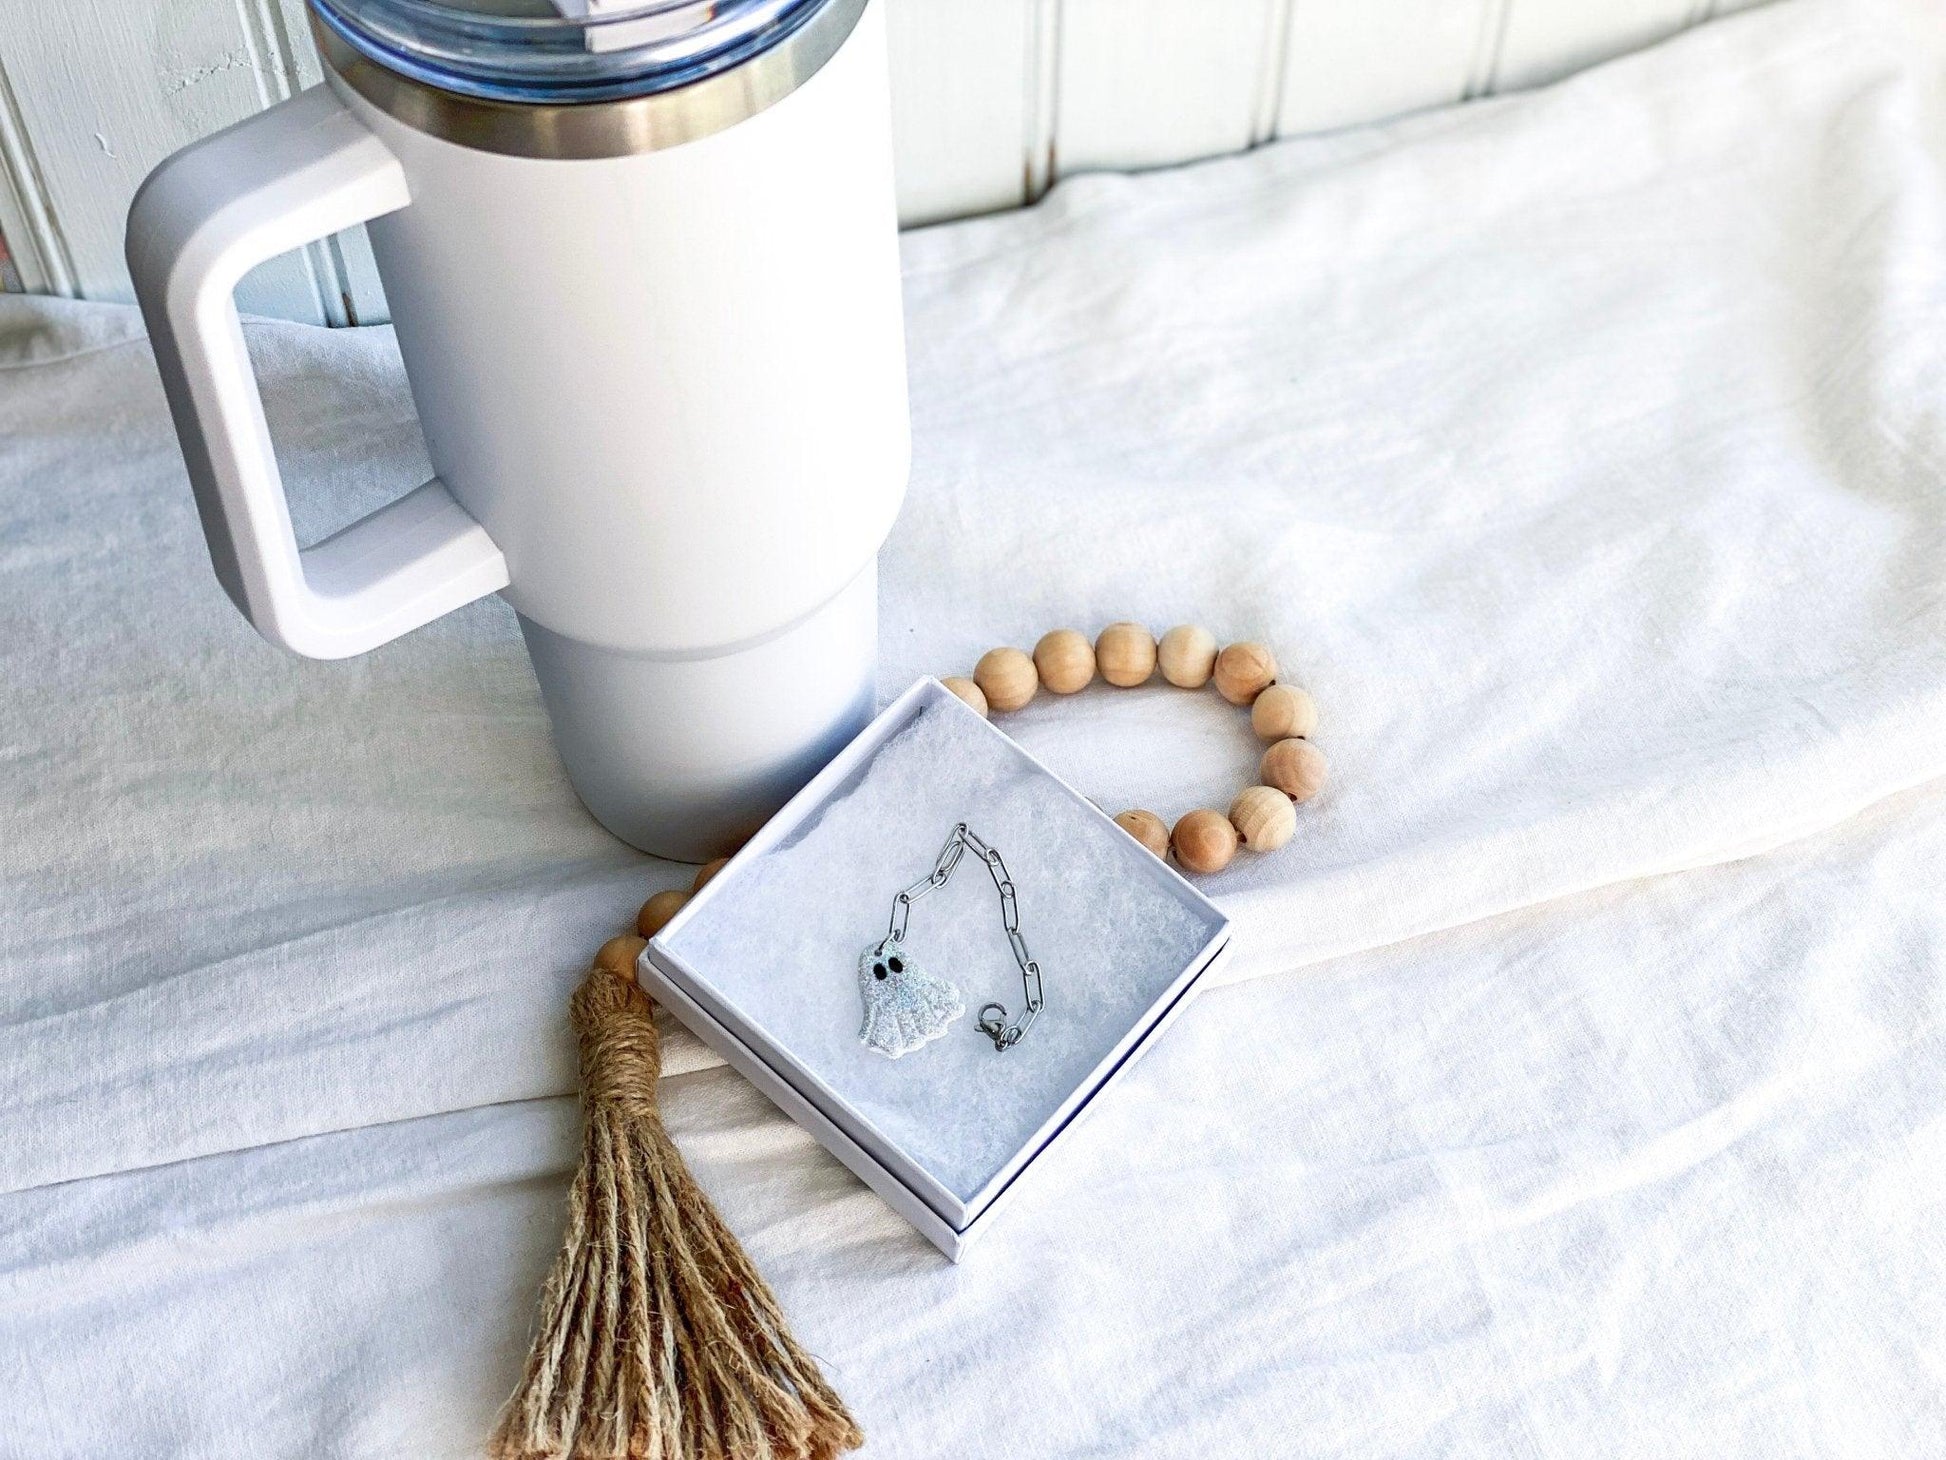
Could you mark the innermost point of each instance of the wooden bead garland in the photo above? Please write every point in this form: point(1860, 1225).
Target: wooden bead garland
point(967, 690)
point(1283, 711)
point(1127, 654)
point(657, 911)
point(1065, 661)
point(1295, 767)
point(1188, 655)
point(1007, 678)
point(1147, 828)
point(1204, 841)
point(1243, 671)
point(1262, 818)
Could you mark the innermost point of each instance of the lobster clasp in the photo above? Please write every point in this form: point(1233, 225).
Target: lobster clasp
point(993, 1024)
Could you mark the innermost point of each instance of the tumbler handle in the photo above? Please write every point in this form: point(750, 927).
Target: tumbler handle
point(296, 172)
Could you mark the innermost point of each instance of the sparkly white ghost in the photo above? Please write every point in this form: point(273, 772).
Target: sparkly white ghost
point(904, 1005)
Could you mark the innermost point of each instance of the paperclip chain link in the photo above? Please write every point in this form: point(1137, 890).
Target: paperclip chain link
point(993, 1017)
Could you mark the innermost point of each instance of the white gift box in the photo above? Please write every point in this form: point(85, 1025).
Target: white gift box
point(765, 963)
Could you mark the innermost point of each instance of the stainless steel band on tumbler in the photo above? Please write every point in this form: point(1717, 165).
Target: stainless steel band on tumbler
point(616, 128)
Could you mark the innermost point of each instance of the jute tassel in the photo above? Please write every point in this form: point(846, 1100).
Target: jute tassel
point(658, 1340)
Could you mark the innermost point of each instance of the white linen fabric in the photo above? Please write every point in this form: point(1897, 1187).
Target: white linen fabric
point(1651, 1171)
point(1582, 452)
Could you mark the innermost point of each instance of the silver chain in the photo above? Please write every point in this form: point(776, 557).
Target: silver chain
point(993, 1017)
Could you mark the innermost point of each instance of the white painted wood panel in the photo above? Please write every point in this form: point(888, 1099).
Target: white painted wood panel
point(1145, 83)
point(991, 98)
point(344, 262)
point(104, 91)
point(960, 104)
point(1544, 40)
point(1349, 63)
point(36, 254)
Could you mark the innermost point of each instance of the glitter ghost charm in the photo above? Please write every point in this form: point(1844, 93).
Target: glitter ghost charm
point(904, 1005)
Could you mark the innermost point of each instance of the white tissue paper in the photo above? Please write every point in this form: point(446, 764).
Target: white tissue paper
point(768, 957)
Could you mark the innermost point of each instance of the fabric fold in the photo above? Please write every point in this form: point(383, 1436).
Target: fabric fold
point(1658, 1163)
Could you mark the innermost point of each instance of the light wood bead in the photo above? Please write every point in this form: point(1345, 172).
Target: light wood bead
point(1204, 841)
point(1187, 654)
point(618, 955)
point(1243, 671)
point(1065, 661)
point(1283, 711)
point(707, 871)
point(1147, 828)
point(1007, 678)
point(967, 690)
point(1295, 767)
point(1264, 818)
point(1126, 654)
point(657, 911)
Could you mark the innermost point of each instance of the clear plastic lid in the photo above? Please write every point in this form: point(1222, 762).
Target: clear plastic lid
point(565, 51)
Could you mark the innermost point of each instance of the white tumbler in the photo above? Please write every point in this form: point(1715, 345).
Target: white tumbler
point(644, 272)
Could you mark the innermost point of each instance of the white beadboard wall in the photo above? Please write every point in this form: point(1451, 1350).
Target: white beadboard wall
point(992, 100)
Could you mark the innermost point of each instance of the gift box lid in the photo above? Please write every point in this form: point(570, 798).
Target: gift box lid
point(773, 962)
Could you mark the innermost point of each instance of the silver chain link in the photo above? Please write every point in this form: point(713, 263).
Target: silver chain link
point(993, 1017)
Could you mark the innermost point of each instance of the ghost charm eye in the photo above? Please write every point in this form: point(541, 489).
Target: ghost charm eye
point(905, 1006)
